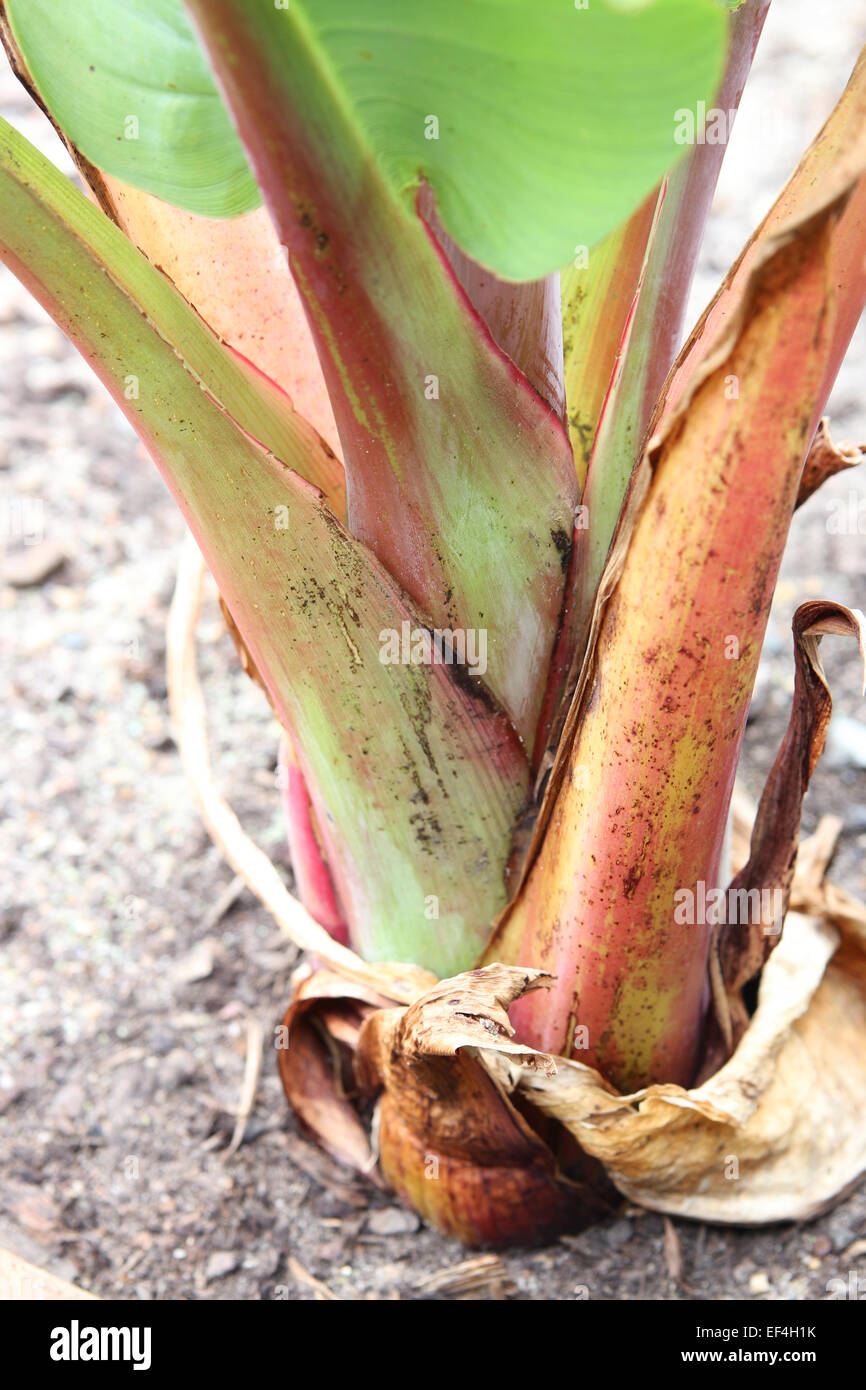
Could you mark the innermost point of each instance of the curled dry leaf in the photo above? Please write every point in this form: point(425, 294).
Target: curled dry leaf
point(741, 948)
point(480, 1134)
point(825, 459)
point(319, 1033)
point(778, 1132)
point(452, 1143)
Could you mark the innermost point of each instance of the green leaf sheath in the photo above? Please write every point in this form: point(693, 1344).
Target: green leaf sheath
point(416, 782)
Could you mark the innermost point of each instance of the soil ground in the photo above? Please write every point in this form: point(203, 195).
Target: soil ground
point(125, 995)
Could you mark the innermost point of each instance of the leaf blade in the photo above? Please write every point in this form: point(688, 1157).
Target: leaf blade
point(585, 96)
point(129, 84)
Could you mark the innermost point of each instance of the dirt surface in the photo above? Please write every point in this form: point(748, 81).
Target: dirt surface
point(127, 982)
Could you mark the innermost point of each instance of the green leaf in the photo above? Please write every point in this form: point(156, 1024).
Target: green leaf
point(131, 88)
point(417, 781)
point(538, 125)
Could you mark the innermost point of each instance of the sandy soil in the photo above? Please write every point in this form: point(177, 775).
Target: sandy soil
point(125, 996)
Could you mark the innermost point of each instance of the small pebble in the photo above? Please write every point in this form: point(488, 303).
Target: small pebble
point(388, 1275)
point(619, 1234)
point(841, 1229)
point(392, 1221)
point(24, 569)
point(268, 1261)
point(10, 920)
point(176, 1069)
point(221, 1263)
point(67, 1103)
point(197, 964)
point(45, 380)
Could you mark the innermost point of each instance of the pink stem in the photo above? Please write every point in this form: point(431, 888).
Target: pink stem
point(312, 875)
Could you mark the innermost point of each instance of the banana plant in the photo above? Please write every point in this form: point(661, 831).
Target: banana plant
point(392, 296)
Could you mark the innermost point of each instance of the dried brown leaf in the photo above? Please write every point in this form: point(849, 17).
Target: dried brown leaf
point(825, 459)
point(451, 1142)
point(310, 1064)
point(776, 1134)
point(742, 947)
